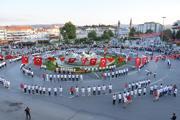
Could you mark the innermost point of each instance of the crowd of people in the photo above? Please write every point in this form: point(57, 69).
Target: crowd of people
point(115, 73)
point(27, 71)
point(73, 91)
point(62, 77)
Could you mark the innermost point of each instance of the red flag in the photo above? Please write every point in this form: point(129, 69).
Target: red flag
point(138, 62)
point(62, 58)
point(93, 61)
point(24, 60)
point(121, 59)
point(1, 57)
point(110, 59)
point(84, 60)
point(71, 60)
point(103, 62)
point(38, 60)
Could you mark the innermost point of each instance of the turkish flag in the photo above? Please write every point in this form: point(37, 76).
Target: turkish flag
point(38, 60)
point(103, 62)
point(62, 58)
point(24, 60)
point(71, 60)
point(93, 61)
point(1, 57)
point(110, 59)
point(138, 62)
point(121, 59)
point(84, 60)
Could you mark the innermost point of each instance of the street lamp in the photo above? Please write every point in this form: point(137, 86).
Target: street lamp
point(163, 28)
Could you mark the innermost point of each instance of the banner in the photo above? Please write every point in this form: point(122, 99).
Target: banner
point(84, 60)
point(24, 60)
point(38, 60)
point(93, 61)
point(103, 63)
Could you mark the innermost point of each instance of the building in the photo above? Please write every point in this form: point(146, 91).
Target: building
point(18, 33)
point(155, 27)
point(122, 32)
point(82, 32)
point(2, 33)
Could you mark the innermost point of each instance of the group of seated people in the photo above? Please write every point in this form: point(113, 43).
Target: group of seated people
point(27, 71)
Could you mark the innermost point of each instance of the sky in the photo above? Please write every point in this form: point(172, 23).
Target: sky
point(88, 12)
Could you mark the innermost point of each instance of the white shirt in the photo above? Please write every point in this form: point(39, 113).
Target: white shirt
point(89, 89)
point(55, 89)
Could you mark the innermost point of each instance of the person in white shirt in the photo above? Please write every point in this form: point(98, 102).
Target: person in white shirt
point(104, 89)
point(65, 77)
point(175, 92)
point(110, 88)
point(69, 76)
point(132, 93)
point(77, 91)
point(58, 77)
point(44, 90)
point(94, 90)
point(49, 91)
point(114, 99)
point(77, 76)
point(33, 89)
point(89, 91)
point(99, 89)
point(55, 91)
point(139, 91)
point(120, 97)
point(29, 89)
point(144, 91)
point(83, 91)
point(25, 88)
point(40, 90)
point(60, 90)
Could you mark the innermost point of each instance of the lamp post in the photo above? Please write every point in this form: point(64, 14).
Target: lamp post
point(163, 28)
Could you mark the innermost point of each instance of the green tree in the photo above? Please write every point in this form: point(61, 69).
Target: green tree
point(149, 31)
point(106, 35)
point(68, 31)
point(132, 32)
point(167, 35)
point(92, 35)
point(111, 34)
point(178, 34)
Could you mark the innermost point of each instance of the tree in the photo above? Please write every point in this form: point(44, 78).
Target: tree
point(68, 31)
point(107, 34)
point(167, 35)
point(178, 34)
point(92, 35)
point(132, 32)
point(149, 31)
